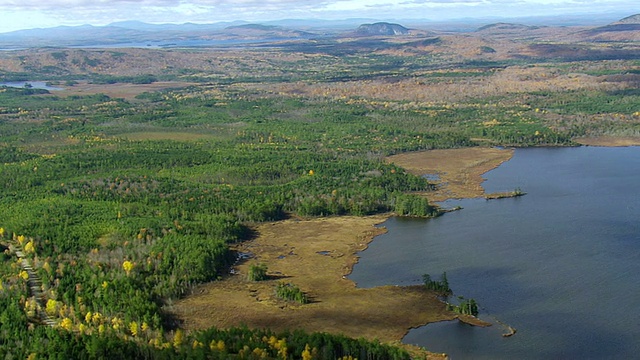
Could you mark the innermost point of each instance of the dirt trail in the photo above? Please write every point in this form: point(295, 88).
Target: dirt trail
point(35, 285)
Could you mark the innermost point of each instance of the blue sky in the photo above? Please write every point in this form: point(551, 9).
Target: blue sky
point(24, 14)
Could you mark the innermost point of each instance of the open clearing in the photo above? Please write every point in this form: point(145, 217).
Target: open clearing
point(314, 255)
point(459, 170)
point(317, 254)
point(610, 141)
point(119, 90)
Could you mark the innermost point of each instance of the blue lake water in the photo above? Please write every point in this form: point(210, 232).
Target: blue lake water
point(34, 84)
point(561, 264)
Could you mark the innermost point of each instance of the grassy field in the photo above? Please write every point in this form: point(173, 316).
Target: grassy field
point(315, 255)
point(459, 171)
point(123, 91)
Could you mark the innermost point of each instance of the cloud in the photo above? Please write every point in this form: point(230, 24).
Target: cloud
point(20, 14)
point(238, 4)
point(101, 12)
point(423, 2)
point(264, 6)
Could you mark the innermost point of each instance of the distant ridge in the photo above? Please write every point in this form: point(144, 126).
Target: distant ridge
point(135, 33)
point(140, 32)
point(501, 27)
point(254, 27)
point(265, 31)
point(381, 28)
point(633, 19)
point(626, 29)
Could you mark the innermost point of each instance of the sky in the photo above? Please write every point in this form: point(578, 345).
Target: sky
point(26, 14)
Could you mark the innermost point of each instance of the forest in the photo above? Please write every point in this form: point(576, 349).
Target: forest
point(120, 204)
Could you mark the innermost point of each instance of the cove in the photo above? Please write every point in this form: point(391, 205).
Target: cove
point(561, 264)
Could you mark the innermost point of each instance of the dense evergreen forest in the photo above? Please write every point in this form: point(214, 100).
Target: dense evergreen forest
point(121, 204)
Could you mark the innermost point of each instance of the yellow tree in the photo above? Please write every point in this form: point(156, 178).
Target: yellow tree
point(52, 307)
point(29, 247)
point(128, 266)
point(133, 327)
point(217, 346)
point(306, 354)
point(66, 324)
point(178, 338)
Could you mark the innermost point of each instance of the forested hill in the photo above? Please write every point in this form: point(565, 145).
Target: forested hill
point(381, 28)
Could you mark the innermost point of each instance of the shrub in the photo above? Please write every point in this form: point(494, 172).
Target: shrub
point(441, 286)
point(291, 292)
point(466, 307)
point(257, 272)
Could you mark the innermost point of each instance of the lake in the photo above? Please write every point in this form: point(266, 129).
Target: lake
point(561, 264)
point(34, 85)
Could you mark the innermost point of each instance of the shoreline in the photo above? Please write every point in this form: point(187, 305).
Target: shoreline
point(609, 141)
point(318, 254)
point(459, 171)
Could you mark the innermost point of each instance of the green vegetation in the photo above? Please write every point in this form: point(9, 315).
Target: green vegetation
point(110, 79)
point(441, 286)
point(291, 292)
point(235, 343)
point(257, 272)
point(117, 221)
point(466, 307)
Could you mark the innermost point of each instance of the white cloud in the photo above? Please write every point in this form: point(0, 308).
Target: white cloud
point(16, 14)
point(232, 4)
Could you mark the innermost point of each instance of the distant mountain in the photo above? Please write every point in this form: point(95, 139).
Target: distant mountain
point(618, 27)
point(381, 28)
point(633, 19)
point(630, 23)
point(141, 33)
point(506, 27)
point(134, 25)
point(136, 33)
point(520, 32)
point(264, 31)
point(185, 27)
point(71, 35)
point(320, 24)
point(626, 29)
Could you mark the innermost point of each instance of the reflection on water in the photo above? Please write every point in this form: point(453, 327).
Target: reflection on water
point(561, 264)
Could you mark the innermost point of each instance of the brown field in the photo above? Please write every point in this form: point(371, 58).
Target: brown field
point(609, 141)
point(317, 254)
point(160, 135)
point(460, 170)
point(314, 255)
point(125, 91)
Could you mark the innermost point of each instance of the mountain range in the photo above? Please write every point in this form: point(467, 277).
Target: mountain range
point(136, 33)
